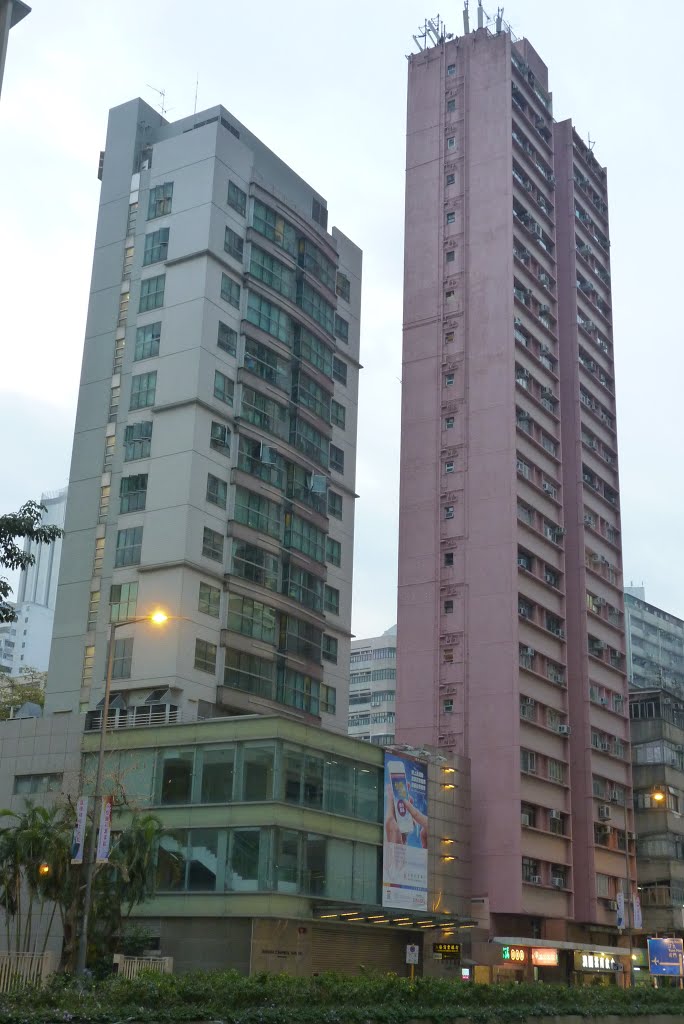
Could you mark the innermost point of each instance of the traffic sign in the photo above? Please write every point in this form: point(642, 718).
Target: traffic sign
point(412, 954)
point(665, 956)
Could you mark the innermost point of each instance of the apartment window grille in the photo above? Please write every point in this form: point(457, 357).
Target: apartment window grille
point(103, 511)
point(339, 370)
point(273, 273)
point(128, 546)
point(343, 287)
point(227, 339)
point(449, 423)
point(152, 293)
point(264, 362)
point(530, 870)
point(451, 106)
point(271, 225)
point(143, 390)
point(252, 563)
point(251, 618)
point(528, 761)
point(212, 544)
point(303, 536)
point(451, 179)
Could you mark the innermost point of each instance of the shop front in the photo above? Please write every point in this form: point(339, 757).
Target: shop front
point(597, 968)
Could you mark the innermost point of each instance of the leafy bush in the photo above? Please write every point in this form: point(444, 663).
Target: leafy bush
point(326, 999)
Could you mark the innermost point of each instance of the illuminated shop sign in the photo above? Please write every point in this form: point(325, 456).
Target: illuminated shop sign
point(596, 962)
point(514, 954)
point(447, 950)
point(544, 957)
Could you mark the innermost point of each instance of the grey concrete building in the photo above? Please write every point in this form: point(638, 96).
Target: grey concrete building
point(372, 687)
point(213, 465)
point(655, 644)
point(11, 13)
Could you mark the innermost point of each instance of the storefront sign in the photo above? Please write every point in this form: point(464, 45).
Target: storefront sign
point(596, 962)
point(514, 954)
point(544, 957)
point(447, 950)
point(405, 834)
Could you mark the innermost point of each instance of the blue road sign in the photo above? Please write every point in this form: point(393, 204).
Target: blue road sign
point(665, 956)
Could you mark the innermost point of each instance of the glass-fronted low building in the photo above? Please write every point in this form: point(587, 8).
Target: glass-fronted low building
point(271, 857)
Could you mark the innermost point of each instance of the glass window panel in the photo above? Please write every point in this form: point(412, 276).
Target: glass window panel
point(243, 868)
point(365, 878)
point(202, 859)
point(287, 861)
point(339, 869)
point(172, 861)
point(314, 864)
point(368, 794)
point(257, 772)
point(293, 765)
point(313, 781)
point(175, 771)
point(218, 771)
point(339, 788)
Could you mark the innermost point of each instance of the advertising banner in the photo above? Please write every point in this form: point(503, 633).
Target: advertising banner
point(638, 920)
point(78, 837)
point(405, 834)
point(620, 912)
point(105, 832)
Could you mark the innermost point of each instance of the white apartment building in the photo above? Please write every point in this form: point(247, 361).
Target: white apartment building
point(372, 684)
point(213, 465)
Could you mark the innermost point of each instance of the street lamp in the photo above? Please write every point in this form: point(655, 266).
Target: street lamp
point(157, 618)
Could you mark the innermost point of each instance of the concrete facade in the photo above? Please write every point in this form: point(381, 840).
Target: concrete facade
point(509, 546)
point(213, 465)
point(655, 644)
point(372, 688)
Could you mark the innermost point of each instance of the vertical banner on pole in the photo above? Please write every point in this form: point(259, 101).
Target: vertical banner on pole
point(78, 837)
point(620, 912)
point(105, 832)
point(638, 921)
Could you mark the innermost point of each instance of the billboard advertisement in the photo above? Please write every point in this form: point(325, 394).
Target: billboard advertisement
point(405, 834)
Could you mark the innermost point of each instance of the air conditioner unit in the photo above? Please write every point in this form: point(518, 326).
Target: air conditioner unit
point(548, 488)
point(606, 830)
point(535, 879)
point(612, 904)
point(563, 730)
point(544, 309)
point(561, 634)
point(600, 601)
point(615, 796)
point(604, 745)
point(604, 812)
point(525, 819)
point(556, 815)
point(588, 520)
point(517, 322)
point(604, 702)
point(522, 563)
point(558, 882)
point(537, 229)
point(527, 652)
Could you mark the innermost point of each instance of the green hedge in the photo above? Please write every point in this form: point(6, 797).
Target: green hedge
point(327, 999)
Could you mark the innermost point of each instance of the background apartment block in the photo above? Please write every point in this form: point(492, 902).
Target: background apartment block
point(509, 550)
point(655, 644)
point(372, 685)
point(213, 464)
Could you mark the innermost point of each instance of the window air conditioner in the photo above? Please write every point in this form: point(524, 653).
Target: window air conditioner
point(556, 815)
point(615, 796)
point(525, 819)
point(535, 879)
point(604, 812)
point(558, 882)
point(563, 730)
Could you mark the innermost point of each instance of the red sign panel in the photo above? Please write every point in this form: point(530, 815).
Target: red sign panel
point(545, 957)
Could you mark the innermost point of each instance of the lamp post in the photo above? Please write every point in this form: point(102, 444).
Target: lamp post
point(158, 618)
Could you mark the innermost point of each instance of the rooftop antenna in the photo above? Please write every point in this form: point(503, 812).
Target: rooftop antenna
point(466, 23)
point(196, 88)
point(499, 19)
point(480, 14)
point(591, 143)
point(432, 33)
point(162, 94)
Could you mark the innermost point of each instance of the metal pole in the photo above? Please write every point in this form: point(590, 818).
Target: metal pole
point(630, 923)
point(92, 845)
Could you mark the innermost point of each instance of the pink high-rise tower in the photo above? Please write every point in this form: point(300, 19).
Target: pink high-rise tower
point(510, 620)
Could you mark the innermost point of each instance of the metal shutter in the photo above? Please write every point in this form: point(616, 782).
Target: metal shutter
point(348, 950)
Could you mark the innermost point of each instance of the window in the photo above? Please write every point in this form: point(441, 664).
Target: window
point(147, 341)
point(304, 587)
point(227, 339)
point(258, 512)
point(230, 291)
point(303, 536)
point(528, 761)
point(313, 259)
point(336, 459)
point(28, 784)
point(269, 318)
point(341, 328)
point(123, 601)
point(448, 511)
point(448, 558)
point(449, 423)
point(451, 69)
point(143, 390)
point(451, 256)
point(212, 544)
point(451, 179)
point(343, 287)
point(160, 200)
point(332, 600)
point(88, 660)
point(451, 218)
point(93, 609)
point(329, 649)
point(448, 607)
point(333, 551)
point(311, 395)
point(334, 504)
point(339, 370)
point(530, 870)
point(237, 198)
point(250, 673)
point(556, 770)
point(123, 656)
point(271, 225)
point(308, 346)
point(224, 387)
point(133, 493)
point(272, 272)
point(156, 246)
point(451, 106)
point(447, 706)
point(205, 656)
point(152, 293)
point(217, 491)
point(220, 438)
point(128, 546)
point(256, 565)
point(451, 143)
point(315, 305)
point(319, 214)
point(449, 466)
point(251, 618)
point(233, 244)
point(449, 380)
point(137, 441)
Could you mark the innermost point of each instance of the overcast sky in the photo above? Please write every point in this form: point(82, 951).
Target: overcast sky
point(324, 85)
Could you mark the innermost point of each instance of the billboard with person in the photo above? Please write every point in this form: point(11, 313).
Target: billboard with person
point(405, 834)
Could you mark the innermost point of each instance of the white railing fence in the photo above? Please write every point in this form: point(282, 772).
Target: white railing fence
point(18, 970)
point(131, 966)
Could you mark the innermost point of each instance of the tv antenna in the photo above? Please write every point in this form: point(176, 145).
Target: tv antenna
point(591, 142)
point(432, 33)
point(196, 88)
point(162, 96)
